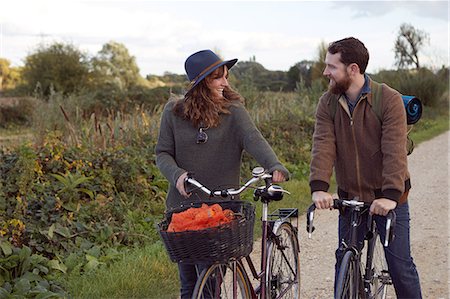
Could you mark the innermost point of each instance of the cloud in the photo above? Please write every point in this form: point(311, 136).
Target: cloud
point(161, 34)
point(426, 9)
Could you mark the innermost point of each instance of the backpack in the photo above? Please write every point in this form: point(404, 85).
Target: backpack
point(376, 107)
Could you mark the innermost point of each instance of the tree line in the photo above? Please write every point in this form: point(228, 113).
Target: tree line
point(112, 75)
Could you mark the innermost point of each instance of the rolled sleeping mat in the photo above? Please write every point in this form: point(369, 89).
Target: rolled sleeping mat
point(413, 108)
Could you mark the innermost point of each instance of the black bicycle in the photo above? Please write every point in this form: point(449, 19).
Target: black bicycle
point(356, 279)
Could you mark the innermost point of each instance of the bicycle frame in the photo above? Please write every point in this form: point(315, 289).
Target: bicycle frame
point(356, 213)
point(266, 235)
point(269, 229)
point(363, 280)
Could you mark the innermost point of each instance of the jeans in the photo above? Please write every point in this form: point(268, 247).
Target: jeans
point(188, 278)
point(398, 254)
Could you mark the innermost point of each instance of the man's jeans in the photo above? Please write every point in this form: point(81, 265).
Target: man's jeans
point(398, 254)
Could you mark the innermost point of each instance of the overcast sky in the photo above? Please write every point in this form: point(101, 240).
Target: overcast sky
point(161, 34)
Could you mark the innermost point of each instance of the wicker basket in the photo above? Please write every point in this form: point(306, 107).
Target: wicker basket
point(215, 244)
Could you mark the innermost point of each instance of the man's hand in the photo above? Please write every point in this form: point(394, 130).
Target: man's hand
point(382, 206)
point(322, 199)
point(180, 185)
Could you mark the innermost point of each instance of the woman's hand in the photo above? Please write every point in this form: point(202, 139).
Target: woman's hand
point(180, 185)
point(278, 176)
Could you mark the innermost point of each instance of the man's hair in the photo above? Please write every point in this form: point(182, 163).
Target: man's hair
point(352, 51)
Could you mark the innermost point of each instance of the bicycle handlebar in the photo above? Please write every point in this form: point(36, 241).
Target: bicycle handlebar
point(274, 192)
point(357, 205)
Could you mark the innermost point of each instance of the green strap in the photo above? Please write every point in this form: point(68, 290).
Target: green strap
point(376, 100)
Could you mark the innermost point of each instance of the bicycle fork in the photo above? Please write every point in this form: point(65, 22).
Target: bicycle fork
point(264, 218)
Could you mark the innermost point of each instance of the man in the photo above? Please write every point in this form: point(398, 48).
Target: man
point(367, 153)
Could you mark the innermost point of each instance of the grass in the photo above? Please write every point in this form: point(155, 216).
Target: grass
point(429, 128)
point(141, 273)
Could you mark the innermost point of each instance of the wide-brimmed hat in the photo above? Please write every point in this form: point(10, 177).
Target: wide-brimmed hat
point(201, 64)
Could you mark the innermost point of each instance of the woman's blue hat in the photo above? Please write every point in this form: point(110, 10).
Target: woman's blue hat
point(201, 64)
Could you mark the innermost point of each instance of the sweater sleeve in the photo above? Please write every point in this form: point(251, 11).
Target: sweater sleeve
point(324, 147)
point(165, 147)
point(255, 144)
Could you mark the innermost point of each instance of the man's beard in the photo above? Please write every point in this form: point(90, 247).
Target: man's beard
point(340, 87)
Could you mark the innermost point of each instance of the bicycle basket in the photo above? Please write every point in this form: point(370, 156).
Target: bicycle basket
point(211, 245)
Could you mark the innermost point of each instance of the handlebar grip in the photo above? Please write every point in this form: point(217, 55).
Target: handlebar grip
point(337, 203)
point(186, 182)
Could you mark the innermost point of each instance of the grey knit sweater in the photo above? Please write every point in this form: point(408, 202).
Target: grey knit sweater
point(215, 163)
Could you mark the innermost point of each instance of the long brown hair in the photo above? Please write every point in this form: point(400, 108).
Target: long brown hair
point(201, 108)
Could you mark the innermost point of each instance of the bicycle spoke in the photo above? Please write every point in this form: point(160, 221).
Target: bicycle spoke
point(217, 282)
point(283, 265)
point(379, 279)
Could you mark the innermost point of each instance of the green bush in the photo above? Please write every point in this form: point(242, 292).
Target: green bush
point(423, 83)
point(78, 205)
point(16, 111)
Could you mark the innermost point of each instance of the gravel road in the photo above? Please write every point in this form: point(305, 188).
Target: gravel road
point(429, 202)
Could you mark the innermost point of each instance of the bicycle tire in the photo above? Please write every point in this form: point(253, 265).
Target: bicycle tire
point(283, 264)
point(217, 282)
point(347, 285)
point(381, 279)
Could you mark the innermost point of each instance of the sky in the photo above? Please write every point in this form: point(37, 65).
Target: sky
point(278, 34)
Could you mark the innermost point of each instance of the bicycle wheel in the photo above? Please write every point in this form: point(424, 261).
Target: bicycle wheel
point(381, 278)
point(347, 285)
point(217, 282)
point(283, 264)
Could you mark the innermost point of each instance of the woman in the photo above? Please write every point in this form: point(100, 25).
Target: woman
point(205, 133)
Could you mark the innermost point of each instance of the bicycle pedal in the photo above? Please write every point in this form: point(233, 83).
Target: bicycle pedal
point(385, 277)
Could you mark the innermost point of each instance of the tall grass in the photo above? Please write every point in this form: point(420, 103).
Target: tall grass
point(95, 131)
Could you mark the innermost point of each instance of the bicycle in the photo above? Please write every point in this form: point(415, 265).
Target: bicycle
point(280, 264)
point(356, 279)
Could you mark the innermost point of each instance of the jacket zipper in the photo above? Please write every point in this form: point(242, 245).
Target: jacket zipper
point(358, 169)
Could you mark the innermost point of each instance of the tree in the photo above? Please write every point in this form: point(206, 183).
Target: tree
point(254, 74)
point(4, 71)
point(61, 67)
point(408, 44)
point(115, 66)
point(300, 72)
point(9, 76)
point(319, 65)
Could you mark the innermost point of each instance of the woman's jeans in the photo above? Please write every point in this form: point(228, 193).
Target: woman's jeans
point(398, 254)
point(188, 278)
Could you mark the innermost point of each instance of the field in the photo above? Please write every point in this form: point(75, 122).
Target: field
point(80, 194)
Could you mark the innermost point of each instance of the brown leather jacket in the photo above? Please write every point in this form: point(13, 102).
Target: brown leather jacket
point(369, 156)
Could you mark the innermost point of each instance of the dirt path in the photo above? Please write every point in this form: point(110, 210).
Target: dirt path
point(429, 202)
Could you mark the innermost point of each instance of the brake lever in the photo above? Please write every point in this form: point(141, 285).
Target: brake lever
point(390, 224)
point(309, 220)
point(275, 188)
